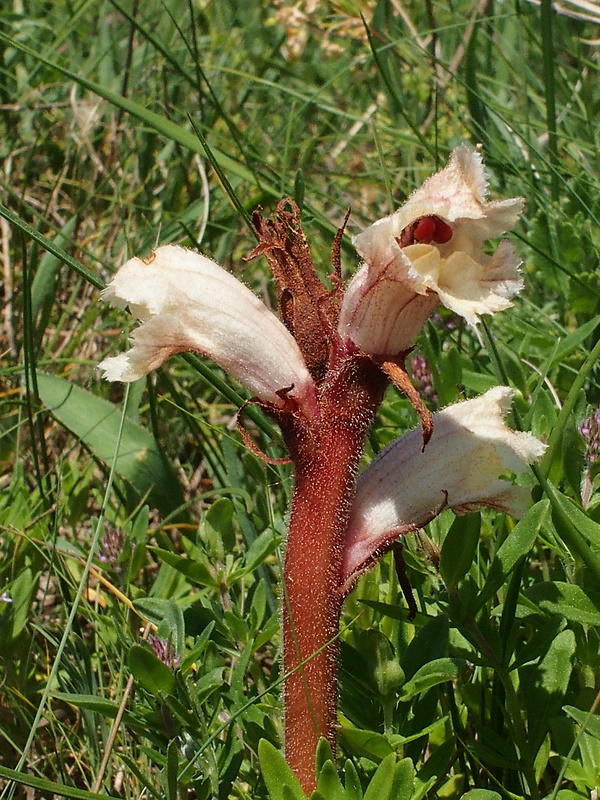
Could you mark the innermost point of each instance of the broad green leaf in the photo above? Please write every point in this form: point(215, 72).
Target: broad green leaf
point(459, 548)
point(218, 525)
point(515, 547)
point(329, 784)
point(568, 600)
point(589, 722)
point(572, 341)
point(368, 744)
point(547, 628)
point(566, 411)
point(96, 422)
point(575, 529)
point(589, 529)
point(544, 686)
point(404, 780)
point(89, 702)
point(151, 673)
point(260, 549)
point(208, 683)
point(195, 571)
point(165, 613)
point(381, 784)
point(397, 612)
point(438, 671)
point(21, 593)
point(430, 643)
point(193, 655)
point(481, 794)
point(171, 770)
point(352, 782)
point(396, 740)
point(323, 755)
point(277, 774)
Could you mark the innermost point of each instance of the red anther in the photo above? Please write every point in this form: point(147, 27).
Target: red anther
point(425, 230)
point(406, 237)
point(443, 231)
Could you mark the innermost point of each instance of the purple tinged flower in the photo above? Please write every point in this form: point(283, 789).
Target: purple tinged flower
point(164, 651)
point(590, 430)
point(111, 548)
point(423, 378)
point(431, 252)
point(406, 487)
point(186, 302)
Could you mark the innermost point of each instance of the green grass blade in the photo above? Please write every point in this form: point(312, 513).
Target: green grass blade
point(43, 785)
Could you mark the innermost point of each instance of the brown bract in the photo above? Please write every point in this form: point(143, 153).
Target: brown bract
point(308, 309)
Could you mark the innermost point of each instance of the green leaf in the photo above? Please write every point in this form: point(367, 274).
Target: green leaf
point(42, 286)
point(481, 794)
point(51, 247)
point(568, 600)
point(218, 525)
point(21, 593)
point(329, 784)
point(50, 788)
point(554, 443)
point(574, 527)
point(396, 740)
point(430, 643)
point(515, 547)
point(589, 722)
point(439, 671)
point(367, 744)
point(352, 782)
point(151, 673)
point(459, 548)
point(260, 549)
point(544, 686)
point(89, 702)
point(323, 755)
point(277, 774)
point(172, 770)
point(381, 784)
point(404, 780)
point(572, 341)
point(167, 615)
point(96, 422)
point(195, 571)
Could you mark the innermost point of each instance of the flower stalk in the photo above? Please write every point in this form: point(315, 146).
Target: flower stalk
point(326, 457)
point(321, 371)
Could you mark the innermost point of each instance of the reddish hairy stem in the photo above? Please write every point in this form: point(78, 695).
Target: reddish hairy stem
point(326, 454)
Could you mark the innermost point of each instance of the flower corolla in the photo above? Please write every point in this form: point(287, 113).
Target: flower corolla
point(406, 487)
point(431, 252)
point(186, 302)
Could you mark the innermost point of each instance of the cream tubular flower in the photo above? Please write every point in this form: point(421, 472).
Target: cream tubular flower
point(429, 252)
point(186, 302)
point(405, 487)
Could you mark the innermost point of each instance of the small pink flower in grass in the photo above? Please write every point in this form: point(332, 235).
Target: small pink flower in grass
point(186, 302)
point(163, 649)
point(406, 487)
point(590, 430)
point(431, 252)
point(422, 378)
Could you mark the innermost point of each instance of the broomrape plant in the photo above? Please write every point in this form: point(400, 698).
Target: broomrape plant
point(321, 371)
